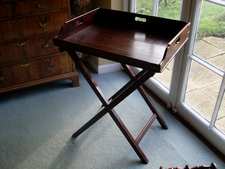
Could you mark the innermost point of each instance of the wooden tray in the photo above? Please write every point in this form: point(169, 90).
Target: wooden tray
point(143, 41)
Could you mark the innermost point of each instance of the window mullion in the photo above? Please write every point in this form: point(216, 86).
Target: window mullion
point(207, 65)
point(217, 2)
point(132, 6)
point(218, 103)
point(190, 13)
point(155, 7)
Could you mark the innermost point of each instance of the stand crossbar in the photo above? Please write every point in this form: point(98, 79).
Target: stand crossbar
point(135, 82)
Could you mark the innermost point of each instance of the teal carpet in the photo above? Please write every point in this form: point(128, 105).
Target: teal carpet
point(36, 125)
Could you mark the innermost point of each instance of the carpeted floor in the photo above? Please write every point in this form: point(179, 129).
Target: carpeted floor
point(36, 125)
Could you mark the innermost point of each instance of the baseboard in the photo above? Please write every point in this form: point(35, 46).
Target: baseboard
point(107, 68)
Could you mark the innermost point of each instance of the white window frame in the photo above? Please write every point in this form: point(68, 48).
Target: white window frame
point(207, 130)
point(174, 97)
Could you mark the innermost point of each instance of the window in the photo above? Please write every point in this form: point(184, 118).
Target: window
point(208, 65)
point(202, 90)
point(167, 9)
point(144, 7)
point(195, 85)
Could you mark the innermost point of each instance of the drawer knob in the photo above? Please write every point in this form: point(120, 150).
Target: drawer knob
point(40, 6)
point(44, 23)
point(44, 26)
point(21, 44)
point(25, 65)
point(46, 44)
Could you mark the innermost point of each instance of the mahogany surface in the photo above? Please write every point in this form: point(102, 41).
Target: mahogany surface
point(118, 36)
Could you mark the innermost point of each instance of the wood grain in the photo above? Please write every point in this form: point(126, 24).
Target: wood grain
point(122, 37)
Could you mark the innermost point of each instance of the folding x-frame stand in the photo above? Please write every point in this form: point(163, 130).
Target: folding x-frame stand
point(136, 82)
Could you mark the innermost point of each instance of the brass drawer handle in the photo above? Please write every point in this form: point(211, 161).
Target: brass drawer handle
point(46, 45)
point(25, 65)
point(44, 23)
point(21, 44)
point(40, 6)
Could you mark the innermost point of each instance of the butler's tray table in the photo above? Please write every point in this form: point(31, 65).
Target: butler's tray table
point(131, 39)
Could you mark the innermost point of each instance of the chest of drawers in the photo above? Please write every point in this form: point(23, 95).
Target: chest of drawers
point(27, 54)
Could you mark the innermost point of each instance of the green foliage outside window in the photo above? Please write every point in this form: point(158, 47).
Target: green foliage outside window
point(212, 21)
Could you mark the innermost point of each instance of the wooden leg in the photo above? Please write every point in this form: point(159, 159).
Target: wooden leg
point(108, 106)
point(94, 119)
point(152, 108)
point(129, 137)
point(143, 93)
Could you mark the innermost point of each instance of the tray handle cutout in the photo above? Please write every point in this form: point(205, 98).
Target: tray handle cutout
point(177, 42)
point(140, 19)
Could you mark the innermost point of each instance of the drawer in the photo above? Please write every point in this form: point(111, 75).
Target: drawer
point(30, 26)
point(40, 46)
point(39, 69)
point(13, 75)
point(18, 51)
point(28, 7)
point(55, 65)
point(13, 53)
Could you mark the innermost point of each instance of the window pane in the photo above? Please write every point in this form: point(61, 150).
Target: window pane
point(165, 76)
point(220, 123)
point(167, 9)
point(210, 42)
point(144, 7)
point(212, 49)
point(170, 9)
point(202, 90)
